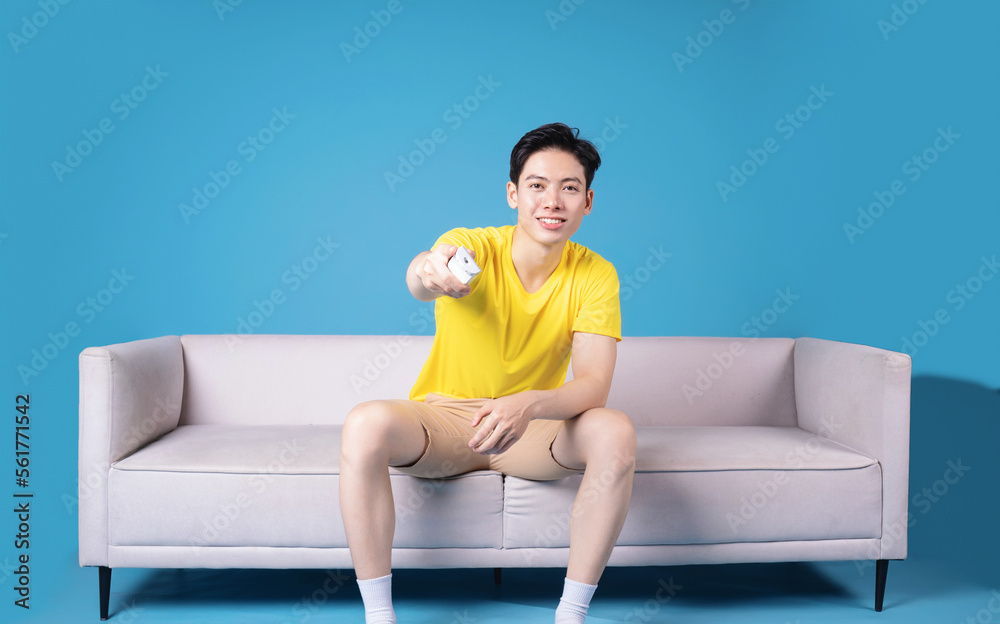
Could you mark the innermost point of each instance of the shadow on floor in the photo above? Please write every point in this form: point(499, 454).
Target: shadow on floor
point(954, 467)
point(304, 590)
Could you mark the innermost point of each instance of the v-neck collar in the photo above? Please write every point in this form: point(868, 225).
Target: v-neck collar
point(516, 279)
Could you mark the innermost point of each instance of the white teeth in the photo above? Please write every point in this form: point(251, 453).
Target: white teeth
point(544, 220)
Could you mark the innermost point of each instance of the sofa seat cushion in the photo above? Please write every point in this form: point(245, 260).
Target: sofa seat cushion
point(710, 485)
point(672, 449)
point(278, 485)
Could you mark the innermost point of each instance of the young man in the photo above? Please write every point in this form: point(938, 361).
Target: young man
point(492, 393)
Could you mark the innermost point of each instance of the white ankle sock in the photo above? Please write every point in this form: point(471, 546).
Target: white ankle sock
point(575, 601)
point(377, 596)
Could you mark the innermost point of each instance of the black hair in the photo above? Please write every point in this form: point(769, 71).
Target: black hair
point(555, 136)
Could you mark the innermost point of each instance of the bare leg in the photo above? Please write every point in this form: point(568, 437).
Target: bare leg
point(603, 441)
point(376, 434)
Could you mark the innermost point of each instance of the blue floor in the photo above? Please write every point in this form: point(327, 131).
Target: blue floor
point(780, 593)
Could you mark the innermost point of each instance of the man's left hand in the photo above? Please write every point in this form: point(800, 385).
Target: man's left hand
point(504, 421)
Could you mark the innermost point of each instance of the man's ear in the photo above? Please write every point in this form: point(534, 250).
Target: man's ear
point(512, 195)
point(590, 202)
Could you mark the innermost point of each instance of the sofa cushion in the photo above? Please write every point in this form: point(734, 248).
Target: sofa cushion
point(238, 449)
point(231, 485)
point(662, 449)
point(718, 485)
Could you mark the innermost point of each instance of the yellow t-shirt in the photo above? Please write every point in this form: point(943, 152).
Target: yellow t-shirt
point(499, 339)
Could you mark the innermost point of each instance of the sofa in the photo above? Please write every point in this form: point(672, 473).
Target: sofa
point(221, 451)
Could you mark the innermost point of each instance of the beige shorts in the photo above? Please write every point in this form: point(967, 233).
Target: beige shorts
point(446, 421)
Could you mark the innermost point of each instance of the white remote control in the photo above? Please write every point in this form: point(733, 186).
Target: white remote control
point(463, 266)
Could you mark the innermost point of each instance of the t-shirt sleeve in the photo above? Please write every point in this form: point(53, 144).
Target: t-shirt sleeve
point(470, 239)
point(600, 312)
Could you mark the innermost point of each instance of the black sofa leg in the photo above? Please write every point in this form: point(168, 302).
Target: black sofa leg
point(496, 576)
point(881, 571)
point(104, 574)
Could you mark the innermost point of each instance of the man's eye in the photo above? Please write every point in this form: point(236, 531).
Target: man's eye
point(571, 188)
point(534, 185)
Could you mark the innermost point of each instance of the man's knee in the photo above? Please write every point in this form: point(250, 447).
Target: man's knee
point(611, 436)
point(382, 429)
point(367, 426)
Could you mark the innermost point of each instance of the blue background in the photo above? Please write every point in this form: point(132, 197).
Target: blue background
point(356, 106)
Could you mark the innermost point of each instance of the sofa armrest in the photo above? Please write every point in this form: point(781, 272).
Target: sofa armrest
point(130, 394)
point(859, 396)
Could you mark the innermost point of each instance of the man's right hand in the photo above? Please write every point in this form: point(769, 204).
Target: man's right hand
point(429, 276)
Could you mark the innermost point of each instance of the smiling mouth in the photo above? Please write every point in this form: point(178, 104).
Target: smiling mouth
point(551, 220)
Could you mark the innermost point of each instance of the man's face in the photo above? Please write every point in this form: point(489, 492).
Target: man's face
point(550, 198)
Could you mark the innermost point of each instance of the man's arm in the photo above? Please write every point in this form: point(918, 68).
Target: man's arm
point(507, 418)
point(428, 276)
point(593, 362)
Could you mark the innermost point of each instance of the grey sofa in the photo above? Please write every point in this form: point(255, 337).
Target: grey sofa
point(208, 451)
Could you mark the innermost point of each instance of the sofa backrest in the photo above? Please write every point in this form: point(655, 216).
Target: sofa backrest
point(317, 379)
point(293, 379)
point(691, 380)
